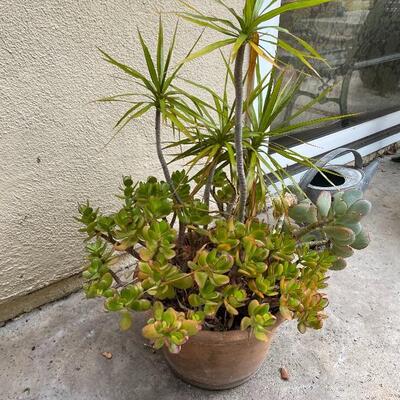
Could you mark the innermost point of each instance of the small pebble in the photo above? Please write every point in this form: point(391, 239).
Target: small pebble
point(284, 374)
point(107, 355)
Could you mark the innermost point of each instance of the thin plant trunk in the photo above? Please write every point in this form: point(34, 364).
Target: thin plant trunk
point(239, 132)
point(207, 188)
point(161, 158)
point(167, 175)
point(251, 75)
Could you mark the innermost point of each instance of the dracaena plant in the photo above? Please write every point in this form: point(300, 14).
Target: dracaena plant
point(200, 265)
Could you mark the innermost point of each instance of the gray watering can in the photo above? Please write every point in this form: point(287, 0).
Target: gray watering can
point(337, 178)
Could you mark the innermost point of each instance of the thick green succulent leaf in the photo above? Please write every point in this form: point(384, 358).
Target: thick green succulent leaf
point(191, 327)
point(360, 207)
point(219, 279)
point(252, 307)
point(169, 316)
point(149, 332)
point(185, 282)
point(126, 321)
point(261, 334)
point(245, 323)
point(356, 227)
point(351, 196)
point(342, 251)
point(301, 327)
point(339, 207)
point(338, 265)
point(324, 204)
point(340, 234)
point(105, 282)
point(361, 241)
point(158, 310)
point(312, 215)
point(285, 312)
point(195, 300)
point(299, 212)
point(231, 310)
point(201, 278)
point(113, 304)
point(140, 305)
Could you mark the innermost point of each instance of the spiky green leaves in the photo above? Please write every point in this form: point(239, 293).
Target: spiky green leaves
point(180, 180)
point(169, 328)
point(259, 320)
point(156, 83)
point(244, 27)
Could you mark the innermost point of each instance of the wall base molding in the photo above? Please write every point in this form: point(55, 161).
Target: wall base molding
point(16, 306)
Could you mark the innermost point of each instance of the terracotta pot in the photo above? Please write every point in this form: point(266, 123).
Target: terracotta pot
point(220, 360)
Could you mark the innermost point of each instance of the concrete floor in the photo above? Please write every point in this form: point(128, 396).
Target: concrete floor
point(55, 352)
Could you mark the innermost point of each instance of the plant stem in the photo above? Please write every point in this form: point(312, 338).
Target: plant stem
point(129, 250)
point(315, 243)
point(303, 231)
point(181, 235)
point(116, 278)
point(239, 132)
point(207, 188)
point(251, 74)
point(161, 158)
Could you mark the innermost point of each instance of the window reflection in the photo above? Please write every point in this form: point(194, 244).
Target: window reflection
point(360, 39)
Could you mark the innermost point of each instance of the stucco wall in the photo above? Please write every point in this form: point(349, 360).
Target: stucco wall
point(52, 138)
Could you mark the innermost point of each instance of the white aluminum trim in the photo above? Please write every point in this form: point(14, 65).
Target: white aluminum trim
point(364, 151)
point(345, 136)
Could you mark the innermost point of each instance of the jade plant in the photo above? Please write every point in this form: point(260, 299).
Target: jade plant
point(221, 248)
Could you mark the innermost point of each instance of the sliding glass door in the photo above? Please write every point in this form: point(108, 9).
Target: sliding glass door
point(360, 40)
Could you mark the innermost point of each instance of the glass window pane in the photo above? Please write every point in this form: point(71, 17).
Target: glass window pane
point(360, 39)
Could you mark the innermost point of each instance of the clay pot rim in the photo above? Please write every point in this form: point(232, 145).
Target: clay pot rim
point(236, 335)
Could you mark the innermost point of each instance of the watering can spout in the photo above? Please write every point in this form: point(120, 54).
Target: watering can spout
point(369, 171)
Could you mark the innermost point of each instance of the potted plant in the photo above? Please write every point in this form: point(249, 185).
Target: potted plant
point(218, 278)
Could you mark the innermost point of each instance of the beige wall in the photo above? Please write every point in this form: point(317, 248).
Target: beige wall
point(52, 138)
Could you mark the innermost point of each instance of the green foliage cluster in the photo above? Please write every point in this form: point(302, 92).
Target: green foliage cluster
point(336, 220)
point(239, 274)
point(203, 257)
